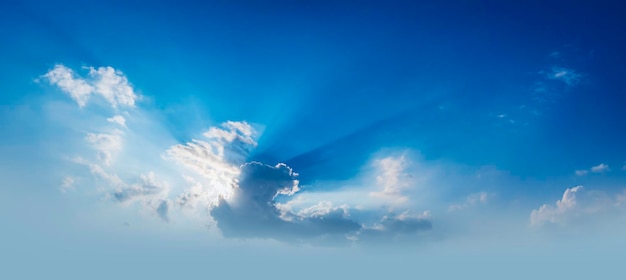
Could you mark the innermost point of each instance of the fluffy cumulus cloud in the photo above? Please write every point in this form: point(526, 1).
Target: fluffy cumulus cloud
point(253, 212)
point(580, 206)
point(65, 78)
point(212, 174)
point(556, 213)
point(107, 82)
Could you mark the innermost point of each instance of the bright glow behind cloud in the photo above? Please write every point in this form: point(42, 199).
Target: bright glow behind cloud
point(239, 195)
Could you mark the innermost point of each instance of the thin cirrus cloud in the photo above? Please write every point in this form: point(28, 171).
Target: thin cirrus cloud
point(566, 75)
point(244, 199)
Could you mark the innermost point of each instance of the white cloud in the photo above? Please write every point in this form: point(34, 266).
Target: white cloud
point(241, 196)
point(569, 76)
point(113, 85)
point(556, 214)
point(77, 88)
point(68, 184)
point(323, 208)
point(107, 82)
point(147, 187)
point(217, 158)
point(600, 168)
point(581, 172)
point(107, 145)
point(582, 209)
point(393, 179)
point(471, 200)
point(120, 120)
point(99, 172)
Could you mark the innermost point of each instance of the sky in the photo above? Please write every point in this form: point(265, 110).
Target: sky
point(312, 139)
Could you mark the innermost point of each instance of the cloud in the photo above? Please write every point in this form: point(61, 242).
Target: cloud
point(252, 211)
point(149, 191)
point(162, 210)
point(600, 168)
point(113, 85)
point(68, 184)
point(212, 174)
point(556, 214)
point(470, 201)
point(404, 226)
point(216, 159)
point(587, 209)
point(393, 179)
point(107, 82)
point(120, 120)
point(99, 172)
point(568, 76)
point(147, 187)
point(581, 172)
point(64, 78)
point(107, 145)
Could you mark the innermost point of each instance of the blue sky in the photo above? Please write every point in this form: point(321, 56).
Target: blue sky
point(370, 139)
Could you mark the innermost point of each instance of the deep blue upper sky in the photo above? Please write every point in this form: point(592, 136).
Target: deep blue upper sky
point(316, 72)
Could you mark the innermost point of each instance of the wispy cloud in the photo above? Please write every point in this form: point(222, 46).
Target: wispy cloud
point(107, 145)
point(120, 120)
point(566, 75)
point(68, 184)
point(470, 201)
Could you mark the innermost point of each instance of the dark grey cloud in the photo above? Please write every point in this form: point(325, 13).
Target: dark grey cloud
point(253, 212)
point(162, 210)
